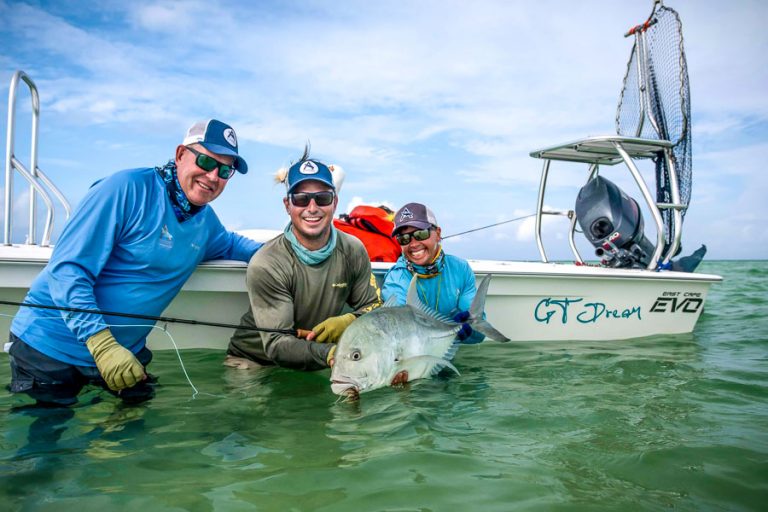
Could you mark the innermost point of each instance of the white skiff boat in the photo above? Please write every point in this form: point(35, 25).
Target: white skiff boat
point(526, 300)
point(626, 296)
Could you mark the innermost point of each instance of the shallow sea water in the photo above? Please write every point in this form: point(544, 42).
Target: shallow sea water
point(660, 423)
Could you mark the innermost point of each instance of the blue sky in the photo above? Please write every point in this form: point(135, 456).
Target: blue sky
point(433, 101)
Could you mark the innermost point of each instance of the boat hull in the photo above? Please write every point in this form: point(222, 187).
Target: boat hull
point(527, 301)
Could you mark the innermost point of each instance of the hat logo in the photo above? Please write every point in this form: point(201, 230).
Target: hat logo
point(308, 167)
point(229, 136)
point(405, 214)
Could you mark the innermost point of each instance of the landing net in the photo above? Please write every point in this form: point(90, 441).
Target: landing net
point(655, 102)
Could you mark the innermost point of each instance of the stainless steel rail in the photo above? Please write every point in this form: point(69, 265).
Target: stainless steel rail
point(39, 182)
point(612, 150)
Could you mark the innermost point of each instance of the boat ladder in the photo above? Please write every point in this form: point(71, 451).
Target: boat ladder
point(38, 181)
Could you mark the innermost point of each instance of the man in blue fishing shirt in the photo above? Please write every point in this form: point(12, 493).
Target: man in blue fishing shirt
point(129, 247)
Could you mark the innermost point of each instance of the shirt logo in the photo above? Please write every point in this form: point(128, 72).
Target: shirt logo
point(165, 234)
point(166, 238)
point(339, 285)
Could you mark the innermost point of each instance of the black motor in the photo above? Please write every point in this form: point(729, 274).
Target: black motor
point(613, 223)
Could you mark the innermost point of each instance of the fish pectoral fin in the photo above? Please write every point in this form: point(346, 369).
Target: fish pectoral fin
point(421, 366)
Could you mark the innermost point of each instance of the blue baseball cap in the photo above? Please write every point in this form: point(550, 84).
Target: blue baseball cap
point(216, 137)
point(309, 170)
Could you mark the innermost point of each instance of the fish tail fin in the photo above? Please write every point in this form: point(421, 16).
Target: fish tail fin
point(476, 319)
point(488, 330)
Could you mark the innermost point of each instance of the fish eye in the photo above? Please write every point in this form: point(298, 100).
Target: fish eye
point(355, 355)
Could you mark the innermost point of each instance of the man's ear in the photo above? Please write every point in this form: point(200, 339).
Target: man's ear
point(179, 151)
point(287, 206)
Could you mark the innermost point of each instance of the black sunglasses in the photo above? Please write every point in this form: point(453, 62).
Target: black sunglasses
point(208, 164)
point(420, 235)
point(302, 199)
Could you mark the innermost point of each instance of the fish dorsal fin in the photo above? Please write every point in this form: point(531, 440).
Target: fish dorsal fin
point(391, 302)
point(414, 301)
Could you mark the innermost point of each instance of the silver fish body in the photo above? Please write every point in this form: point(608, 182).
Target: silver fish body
point(413, 338)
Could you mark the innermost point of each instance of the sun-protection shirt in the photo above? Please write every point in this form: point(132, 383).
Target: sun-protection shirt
point(124, 251)
point(450, 291)
point(287, 294)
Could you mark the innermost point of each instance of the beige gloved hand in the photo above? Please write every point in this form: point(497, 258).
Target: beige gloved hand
point(331, 357)
point(117, 365)
point(331, 329)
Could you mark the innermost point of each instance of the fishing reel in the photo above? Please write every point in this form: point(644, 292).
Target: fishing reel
point(613, 224)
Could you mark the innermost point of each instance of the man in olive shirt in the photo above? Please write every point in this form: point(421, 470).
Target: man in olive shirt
point(303, 279)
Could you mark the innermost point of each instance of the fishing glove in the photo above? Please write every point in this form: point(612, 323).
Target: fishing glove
point(117, 365)
point(330, 329)
point(465, 331)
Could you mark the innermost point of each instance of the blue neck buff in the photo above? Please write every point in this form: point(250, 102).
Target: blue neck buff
point(305, 255)
point(427, 271)
point(183, 209)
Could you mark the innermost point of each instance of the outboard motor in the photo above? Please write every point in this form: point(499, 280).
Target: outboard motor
point(613, 223)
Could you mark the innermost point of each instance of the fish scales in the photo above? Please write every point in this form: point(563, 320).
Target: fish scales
point(391, 339)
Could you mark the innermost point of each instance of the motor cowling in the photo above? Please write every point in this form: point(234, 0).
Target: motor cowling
point(613, 224)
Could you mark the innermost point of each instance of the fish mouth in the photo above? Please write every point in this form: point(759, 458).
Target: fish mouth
point(345, 388)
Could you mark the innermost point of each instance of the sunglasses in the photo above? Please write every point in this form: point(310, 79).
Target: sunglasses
point(420, 235)
point(208, 164)
point(302, 199)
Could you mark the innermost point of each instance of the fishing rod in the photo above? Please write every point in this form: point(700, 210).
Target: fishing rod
point(490, 226)
point(292, 332)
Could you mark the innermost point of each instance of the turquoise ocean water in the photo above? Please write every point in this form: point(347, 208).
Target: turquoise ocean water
point(662, 423)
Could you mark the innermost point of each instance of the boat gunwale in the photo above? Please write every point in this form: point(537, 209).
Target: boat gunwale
point(509, 268)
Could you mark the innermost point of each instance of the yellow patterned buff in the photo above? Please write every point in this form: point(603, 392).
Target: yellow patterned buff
point(429, 271)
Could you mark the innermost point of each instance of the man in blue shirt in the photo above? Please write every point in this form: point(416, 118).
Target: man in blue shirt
point(132, 242)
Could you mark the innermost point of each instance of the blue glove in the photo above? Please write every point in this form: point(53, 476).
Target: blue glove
point(465, 331)
point(461, 317)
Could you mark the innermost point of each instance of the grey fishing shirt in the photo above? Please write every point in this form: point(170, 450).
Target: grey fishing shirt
point(288, 294)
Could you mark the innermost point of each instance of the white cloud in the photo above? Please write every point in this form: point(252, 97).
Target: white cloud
point(409, 97)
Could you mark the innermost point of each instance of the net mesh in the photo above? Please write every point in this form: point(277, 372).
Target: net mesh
point(665, 111)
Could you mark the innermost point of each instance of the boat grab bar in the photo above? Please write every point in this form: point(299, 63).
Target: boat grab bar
point(38, 181)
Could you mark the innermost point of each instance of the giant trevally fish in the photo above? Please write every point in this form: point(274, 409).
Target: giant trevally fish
point(391, 339)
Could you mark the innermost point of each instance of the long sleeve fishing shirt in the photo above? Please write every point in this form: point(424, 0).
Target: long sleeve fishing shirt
point(123, 250)
point(448, 292)
point(288, 294)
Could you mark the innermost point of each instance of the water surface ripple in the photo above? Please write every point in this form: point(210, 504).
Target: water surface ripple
point(660, 423)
